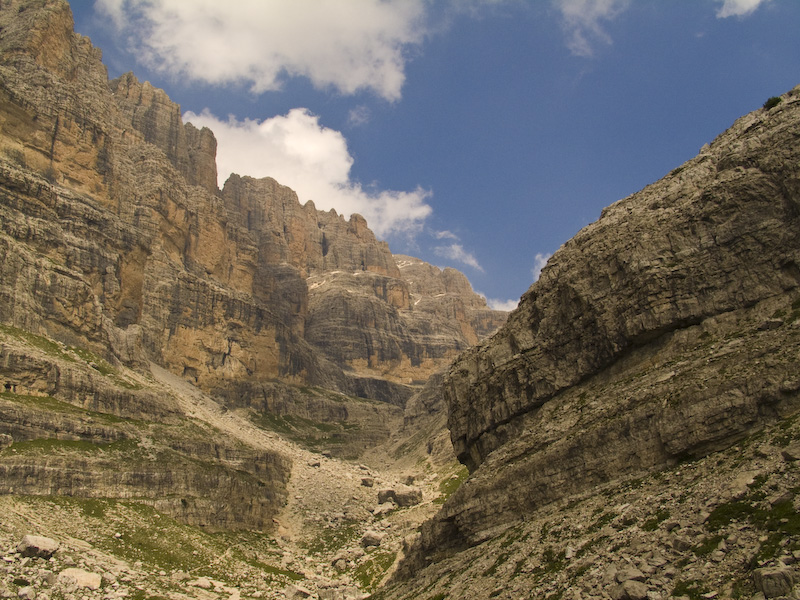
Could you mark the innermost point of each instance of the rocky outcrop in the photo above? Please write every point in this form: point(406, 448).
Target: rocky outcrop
point(664, 331)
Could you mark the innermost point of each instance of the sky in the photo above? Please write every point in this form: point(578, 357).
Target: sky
point(475, 134)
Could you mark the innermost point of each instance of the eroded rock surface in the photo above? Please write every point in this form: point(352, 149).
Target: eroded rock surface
point(666, 330)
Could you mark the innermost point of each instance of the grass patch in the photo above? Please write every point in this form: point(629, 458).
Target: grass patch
point(707, 546)
point(691, 588)
point(653, 522)
point(134, 531)
point(451, 484)
point(313, 435)
point(70, 354)
point(369, 573)
point(329, 540)
point(50, 404)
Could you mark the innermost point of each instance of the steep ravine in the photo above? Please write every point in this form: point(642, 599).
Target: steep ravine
point(225, 394)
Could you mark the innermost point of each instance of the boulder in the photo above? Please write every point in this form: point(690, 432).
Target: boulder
point(385, 495)
point(401, 495)
point(774, 582)
point(372, 538)
point(37, 546)
point(630, 590)
point(80, 578)
point(408, 496)
point(296, 592)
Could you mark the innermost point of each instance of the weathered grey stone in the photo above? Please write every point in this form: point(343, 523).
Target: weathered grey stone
point(629, 590)
point(629, 573)
point(26, 593)
point(407, 496)
point(372, 538)
point(791, 453)
point(38, 546)
point(296, 592)
point(774, 582)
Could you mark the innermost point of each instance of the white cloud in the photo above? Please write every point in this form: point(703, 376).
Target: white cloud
point(506, 305)
point(445, 235)
point(457, 253)
point(313, 160)
point(582, 22)
point(360, 115)
point(349, 46)
point(539, 261)
point(738, 8)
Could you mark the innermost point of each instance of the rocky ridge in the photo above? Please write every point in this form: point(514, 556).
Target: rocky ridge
point(663, 332)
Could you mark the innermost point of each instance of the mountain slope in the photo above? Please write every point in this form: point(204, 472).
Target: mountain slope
point(665, 331)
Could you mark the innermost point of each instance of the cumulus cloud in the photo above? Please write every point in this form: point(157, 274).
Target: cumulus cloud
point(582, 22)
point(313, 160)
point(456, 252)
point(348, 46)
point(539, 261)
point(506, 305)
point(738, 8)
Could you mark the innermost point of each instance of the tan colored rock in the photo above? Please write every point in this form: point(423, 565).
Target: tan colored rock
point(80, 578)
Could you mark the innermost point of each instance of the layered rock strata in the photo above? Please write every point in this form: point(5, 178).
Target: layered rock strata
point(118, 238)
point(666, 330)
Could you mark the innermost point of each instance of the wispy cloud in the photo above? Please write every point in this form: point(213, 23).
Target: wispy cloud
point(348, 46)
point(444, 235)
point(506, 305)
point(313, 160)
point(539, 261)
point(457, 253)
point(583, 22)
point(360, 115)
point(738, 8)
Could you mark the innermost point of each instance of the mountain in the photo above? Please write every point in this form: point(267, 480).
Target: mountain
point(144, 311)
point(222, 393)
point(665, 333)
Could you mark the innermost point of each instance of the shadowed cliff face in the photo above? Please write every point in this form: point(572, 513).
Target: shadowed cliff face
point(666, 330)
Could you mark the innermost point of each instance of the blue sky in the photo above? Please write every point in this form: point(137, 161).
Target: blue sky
point(478, 134)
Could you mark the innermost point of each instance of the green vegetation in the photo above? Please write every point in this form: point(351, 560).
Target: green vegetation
point(369, 573)
point(450, 484)
point(53, 405)
point(653, 522)
point(313, 435)
point(691, 588)
point(69, 354)
point(137, 532)
point(708, 545)
point(327, 540)
point(772, 102)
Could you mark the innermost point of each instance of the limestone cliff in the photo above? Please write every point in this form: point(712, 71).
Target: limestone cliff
point(664, 331)
point(110, 203)
point(116, 243)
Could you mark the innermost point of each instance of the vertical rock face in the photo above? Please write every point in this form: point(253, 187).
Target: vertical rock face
point(665, 330)
point(118, 237)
